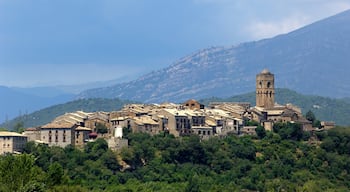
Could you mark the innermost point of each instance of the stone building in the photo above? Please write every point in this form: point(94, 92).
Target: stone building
point(265, 89)
point(82, 136)
point(58, 134)
point(193, 104)
point(11, 142)
point(266, 111)
point(178, 121)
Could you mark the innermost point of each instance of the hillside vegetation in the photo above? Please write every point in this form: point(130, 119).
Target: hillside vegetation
point(46, 115)
point(275, 162)
point(327, 109)
point(324, 108)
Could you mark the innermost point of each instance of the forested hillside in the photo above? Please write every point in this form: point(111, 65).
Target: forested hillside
point(277, 161)
point(327, 109)
point(46, 115)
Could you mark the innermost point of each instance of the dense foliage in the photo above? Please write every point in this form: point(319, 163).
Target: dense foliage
point(279, 161)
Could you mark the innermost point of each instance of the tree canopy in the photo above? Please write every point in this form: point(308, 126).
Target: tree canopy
point(278, 161)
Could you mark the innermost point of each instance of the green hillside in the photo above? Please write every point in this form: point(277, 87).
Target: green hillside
point(327, 109)
point(324, 108)
point(46, 115)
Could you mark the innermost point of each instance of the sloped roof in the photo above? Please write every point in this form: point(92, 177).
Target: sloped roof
point(10, 134)
point(57, 125)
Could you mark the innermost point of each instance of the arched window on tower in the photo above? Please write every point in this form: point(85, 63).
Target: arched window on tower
point(268, 84)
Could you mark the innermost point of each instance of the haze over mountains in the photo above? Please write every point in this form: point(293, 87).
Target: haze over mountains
point(312, 60)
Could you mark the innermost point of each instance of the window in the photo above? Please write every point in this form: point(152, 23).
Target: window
point(64, 138)
point(199, 132)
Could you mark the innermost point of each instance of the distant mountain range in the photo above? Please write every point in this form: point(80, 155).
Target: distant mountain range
point(311, 60)
point(16, 101)
point(337, 110)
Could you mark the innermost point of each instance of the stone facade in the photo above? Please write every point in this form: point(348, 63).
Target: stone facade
point(58, 134)
point(265, 89)
point(11, 142)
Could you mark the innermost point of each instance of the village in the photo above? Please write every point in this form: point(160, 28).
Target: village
point(218, 119)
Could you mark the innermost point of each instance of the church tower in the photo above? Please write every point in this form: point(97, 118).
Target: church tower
point(265, 89)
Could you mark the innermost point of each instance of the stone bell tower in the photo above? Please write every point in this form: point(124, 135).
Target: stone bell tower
point(265, 89)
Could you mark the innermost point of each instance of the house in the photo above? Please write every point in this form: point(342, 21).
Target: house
point(82, 136)
point(98, 118)
point(32, 134)
point(178, 122)
point(248, 130)
point(204, 132)
point(145, 124)
point(58, 134)
point(11, 142)
point(326, 125)
point(193, 104)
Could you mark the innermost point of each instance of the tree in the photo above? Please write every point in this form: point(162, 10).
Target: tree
point(310, 116)
point(101, 128)
point(17, 171)
point(19, 127)
point(260, 131)
point(55, 174)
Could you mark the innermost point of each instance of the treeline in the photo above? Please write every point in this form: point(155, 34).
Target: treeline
point(282, 160)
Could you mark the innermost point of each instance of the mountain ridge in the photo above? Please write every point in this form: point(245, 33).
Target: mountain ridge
point(310, 60)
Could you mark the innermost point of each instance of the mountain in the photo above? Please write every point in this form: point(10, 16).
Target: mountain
point(311, 60)
point(16, 101)
point(46, 115)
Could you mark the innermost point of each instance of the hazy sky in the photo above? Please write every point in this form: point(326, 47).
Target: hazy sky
point(50, 42)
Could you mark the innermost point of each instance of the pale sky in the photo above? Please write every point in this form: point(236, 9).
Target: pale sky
point(76, 41)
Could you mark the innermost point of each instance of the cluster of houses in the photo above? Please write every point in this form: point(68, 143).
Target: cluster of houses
point(218, 119)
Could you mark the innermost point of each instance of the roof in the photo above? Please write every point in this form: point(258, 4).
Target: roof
point(80, 128)
point(120, 118)
point(10, 134)
point(31, 129)
point(58, 125)
point(145, 120)
point(210, 123)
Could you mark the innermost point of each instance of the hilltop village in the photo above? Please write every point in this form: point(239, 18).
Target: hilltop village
point(218, 119)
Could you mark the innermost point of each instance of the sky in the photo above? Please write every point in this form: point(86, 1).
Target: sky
point(67, 42)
